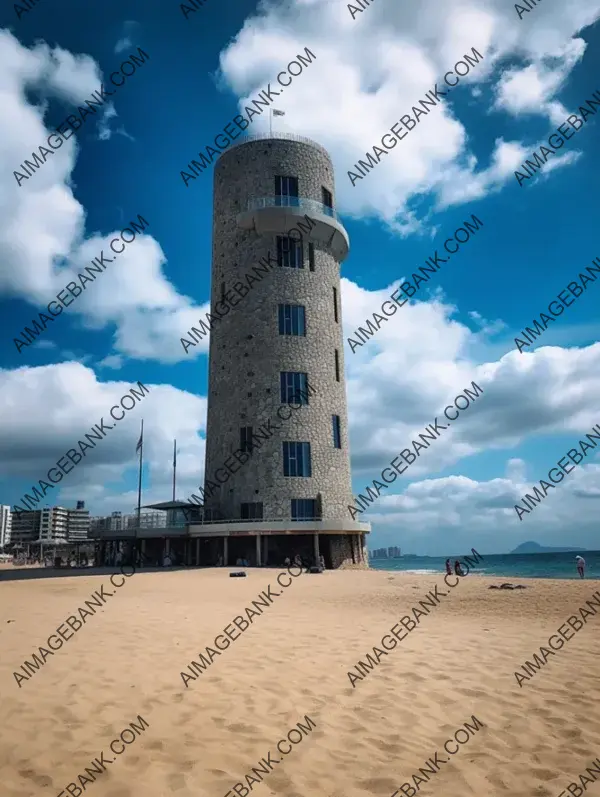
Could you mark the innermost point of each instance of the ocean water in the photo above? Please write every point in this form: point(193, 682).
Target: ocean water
point(507, 566)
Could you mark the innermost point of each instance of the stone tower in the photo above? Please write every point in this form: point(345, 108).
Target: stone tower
point(277, 397)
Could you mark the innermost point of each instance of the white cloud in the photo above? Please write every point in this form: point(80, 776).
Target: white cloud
point(466, 513)
point(114, 361)
point(44, 344)
point(44, 412)
point(547, 393)
point(123, 44)
point(527, 90)
point(525, 395)
point(43, 238)
point(347, 99)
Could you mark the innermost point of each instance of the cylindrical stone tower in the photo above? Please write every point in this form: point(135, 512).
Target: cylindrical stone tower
point(276, 339)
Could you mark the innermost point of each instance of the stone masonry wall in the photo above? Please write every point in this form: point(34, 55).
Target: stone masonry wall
point(247, 353)
point(341, 552)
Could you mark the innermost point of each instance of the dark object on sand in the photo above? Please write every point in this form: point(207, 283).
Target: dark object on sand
point(507, 586)
point(239, 574)
point(314, 569)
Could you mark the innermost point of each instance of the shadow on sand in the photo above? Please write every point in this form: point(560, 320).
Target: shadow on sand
point(25, 573)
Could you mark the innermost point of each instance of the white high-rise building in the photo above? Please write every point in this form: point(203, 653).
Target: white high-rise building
point(52, 525)
point(5, 525)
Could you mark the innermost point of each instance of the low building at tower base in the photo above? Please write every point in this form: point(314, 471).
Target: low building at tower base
point(188, 539)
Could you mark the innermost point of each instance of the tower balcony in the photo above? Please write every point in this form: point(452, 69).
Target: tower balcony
point(280, 214)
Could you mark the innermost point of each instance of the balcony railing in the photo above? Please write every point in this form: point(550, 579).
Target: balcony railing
point(130, 528)
point(278, 519)
point(309, 205)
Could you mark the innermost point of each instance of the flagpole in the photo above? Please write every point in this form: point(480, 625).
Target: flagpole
point(270, 123)
point(139, 506)
point(174, 465)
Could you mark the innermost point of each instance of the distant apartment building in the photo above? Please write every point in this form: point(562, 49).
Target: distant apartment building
point(148, 520)
point(5, 525)
point(113, 522)
point(379, 553)
point(51, 525)
point(119, 522)
point(78, 523)
point(393, 552)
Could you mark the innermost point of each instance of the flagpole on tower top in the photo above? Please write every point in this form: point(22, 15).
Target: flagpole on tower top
point(273, 112)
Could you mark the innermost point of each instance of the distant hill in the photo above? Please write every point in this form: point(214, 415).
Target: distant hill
point(535, 547)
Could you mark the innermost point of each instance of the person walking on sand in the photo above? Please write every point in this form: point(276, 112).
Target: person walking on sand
point(457, 569)
point(448, 568)
point(580, 565)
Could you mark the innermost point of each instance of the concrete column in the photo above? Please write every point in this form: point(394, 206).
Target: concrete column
point(258, 557)
point(316, 547)
point(225, 551)
point(197, 550)
point(266, 549)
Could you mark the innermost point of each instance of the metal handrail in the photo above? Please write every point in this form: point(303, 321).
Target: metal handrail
point(257, 520)
point(292, 202)
point(181, 523)
point(284, 136)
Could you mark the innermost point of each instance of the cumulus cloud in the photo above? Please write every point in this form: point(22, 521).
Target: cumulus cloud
point(527, 90)
point(44, 243)
point(44, 412)
point(548, 391)
point(347, 99)
point(394, 392)
point(470, 513)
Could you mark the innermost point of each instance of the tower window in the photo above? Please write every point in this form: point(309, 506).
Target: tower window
point(311, 256)
point(246, 439)
point(289, 252)
point(337, 434)
point(251, 511)
point(286, 190)
point(296, 459)
point(294, 387)
point(327, 198)
point(292, 319)
point(304, 509)
point(335, 309)
point(337, 366)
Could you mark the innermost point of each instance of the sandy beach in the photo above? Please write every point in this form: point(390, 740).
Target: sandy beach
point(203, 734)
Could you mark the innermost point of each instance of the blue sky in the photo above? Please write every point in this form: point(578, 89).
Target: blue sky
point(459, 161)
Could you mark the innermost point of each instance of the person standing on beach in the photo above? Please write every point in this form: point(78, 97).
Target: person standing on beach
point(458, 569)
point(580, 565)
point(448, 568)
